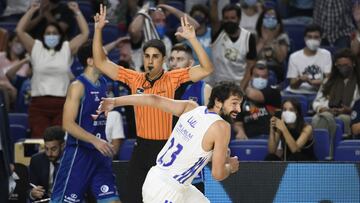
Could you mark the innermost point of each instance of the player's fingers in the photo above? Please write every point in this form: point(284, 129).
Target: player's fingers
point(186, 20)
point(182, 22)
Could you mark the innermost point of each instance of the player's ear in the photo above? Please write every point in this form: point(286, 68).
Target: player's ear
point(218, 103)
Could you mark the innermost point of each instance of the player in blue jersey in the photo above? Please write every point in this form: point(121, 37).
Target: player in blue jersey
point(201, 134)
point(86, 163)
point(181, 56)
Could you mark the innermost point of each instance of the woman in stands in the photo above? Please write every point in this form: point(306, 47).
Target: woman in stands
point(296, 137)
point(51, 58)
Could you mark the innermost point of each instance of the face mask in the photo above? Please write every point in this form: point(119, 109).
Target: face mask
point(200, 19)
point(345, 70)
point(230, 27)
point(250, 2)
point(161, 30)
point(270, 22)
point(312, 44)
point(259, 83)
point(17, 48)
point(289, 117)
point(52, 40)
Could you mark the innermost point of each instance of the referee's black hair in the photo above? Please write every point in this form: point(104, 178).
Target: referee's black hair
point(155, 43)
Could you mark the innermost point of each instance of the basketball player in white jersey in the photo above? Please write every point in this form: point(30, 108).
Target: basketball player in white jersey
point(201, 133)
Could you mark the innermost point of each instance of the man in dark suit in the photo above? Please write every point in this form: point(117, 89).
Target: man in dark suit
point(6, 166)
point(43, 165)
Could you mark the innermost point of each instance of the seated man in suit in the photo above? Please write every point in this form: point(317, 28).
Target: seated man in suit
point(43, 165)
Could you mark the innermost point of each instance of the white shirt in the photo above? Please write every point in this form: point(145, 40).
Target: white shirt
point(183, 157)
point(114, 126)
point(249, 22)
point(315, 66)
point(51, 70)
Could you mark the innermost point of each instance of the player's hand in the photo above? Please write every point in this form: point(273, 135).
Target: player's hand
point(187, 30)
point(234, 164)
point(100, 18)
point(103, 147)
point(35, 5)
point(37, 192)
point(106, 105)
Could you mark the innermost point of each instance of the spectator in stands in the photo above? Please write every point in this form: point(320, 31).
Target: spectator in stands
point(52, 11)
point(250, 12)
point(273, 43)
point(233, 47)
point(309, 66)
point(355, 42)
point(261, 102)
point(51, 58)
point(14, 8)
point(150, 23)
point(201, 14)
point(123, 44)
point(300, 8)
point(334, 18)
point(355, 120)
point(43, 165)
point(296, 137)
point(153, 125)
point(338, 94)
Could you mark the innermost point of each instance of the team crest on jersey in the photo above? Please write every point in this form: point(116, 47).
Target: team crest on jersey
point(192, 122)
point(140, 90)
point(96, 94)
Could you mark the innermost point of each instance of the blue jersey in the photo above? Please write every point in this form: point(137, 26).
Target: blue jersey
point(195, 92)
point(88, 106)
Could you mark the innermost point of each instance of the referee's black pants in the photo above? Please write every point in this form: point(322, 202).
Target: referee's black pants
point(143, 158)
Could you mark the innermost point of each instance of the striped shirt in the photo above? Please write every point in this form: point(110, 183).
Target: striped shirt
point(153, 123)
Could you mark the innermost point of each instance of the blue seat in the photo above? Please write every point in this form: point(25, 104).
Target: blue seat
point(19, 119)
point(262, 142)
point(172, 22)
point(114, 55)
point(347, 153)
point(349, 143)
point(9, 26)
point(249, 152)
point(341, 125)
point(110, 32)
point(126, 149)
point(322, 143)
point(308, 119)
point(299, 98)
point(296, 35)
point(17, 132)
point(87, 10)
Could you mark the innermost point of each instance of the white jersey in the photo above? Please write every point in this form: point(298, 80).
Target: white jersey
point(183, 157)
point(230, 57)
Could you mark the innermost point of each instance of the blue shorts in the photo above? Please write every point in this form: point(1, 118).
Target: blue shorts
point(83, 169)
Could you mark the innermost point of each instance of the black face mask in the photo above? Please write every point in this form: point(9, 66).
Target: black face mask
point(230, 27)
point(200, 19)
point(345, 71)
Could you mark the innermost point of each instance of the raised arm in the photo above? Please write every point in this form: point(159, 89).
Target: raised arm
point(176, 12)
point(135, 27)
point(214, 19)
point(70, 112)
point(206, 67)
point(175, 107)
point(24, 37)
point(100, 60)
point(81, 38)
point(112, 45)
point(14, 68)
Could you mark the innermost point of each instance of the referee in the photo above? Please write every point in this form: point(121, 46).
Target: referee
point(153, 126)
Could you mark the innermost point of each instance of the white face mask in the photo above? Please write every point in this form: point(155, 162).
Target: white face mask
point(289, 117)
point(259, 83)
point(312, 44)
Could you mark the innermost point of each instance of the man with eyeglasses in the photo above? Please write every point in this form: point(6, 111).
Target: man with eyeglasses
point(153, 126)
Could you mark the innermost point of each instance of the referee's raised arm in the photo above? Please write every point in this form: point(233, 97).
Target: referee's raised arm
point(100, 60)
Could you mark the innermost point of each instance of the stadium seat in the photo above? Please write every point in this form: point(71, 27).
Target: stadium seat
point(299, 98)
point(349, 143)
point(347, 153)
point(110, 32)
point(19, 119)
point(9, 26)
point(308, 119)
point(17, 132)
point(296, 35)
point(87, 10)
point(261, 142)
point(172, 22)
point(322, 143)
point(249, 152)
point(126, 149)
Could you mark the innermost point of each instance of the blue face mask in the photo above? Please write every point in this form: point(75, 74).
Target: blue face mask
point(250, 2)
point(161, 30)
point(52, 40)
point(270, 22)
point(259, 83)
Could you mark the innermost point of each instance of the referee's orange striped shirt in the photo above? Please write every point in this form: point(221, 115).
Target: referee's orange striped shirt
point(152, 123)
